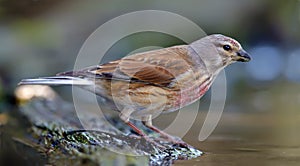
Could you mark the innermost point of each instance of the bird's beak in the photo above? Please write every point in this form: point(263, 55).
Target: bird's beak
point(242, 56)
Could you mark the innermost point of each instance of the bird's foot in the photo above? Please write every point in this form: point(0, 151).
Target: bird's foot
point(169, 138)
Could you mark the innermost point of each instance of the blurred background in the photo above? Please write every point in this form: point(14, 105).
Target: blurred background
point(43, 37)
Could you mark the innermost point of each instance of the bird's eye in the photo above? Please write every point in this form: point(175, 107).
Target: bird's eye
point(227, 47)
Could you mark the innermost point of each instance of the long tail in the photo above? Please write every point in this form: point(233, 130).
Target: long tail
point(56, 80)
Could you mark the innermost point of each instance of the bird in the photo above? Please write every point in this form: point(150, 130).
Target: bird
point(143, 85)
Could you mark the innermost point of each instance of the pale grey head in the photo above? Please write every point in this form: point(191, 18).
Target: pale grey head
point(218, 51)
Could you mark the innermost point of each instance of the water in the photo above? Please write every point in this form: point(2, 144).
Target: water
point(249, 139)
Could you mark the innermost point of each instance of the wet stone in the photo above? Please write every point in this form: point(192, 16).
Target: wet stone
point(57, 131)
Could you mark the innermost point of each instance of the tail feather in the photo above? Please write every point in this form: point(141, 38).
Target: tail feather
point(56, 80)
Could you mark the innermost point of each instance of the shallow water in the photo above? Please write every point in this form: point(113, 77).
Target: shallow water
point(249, 139)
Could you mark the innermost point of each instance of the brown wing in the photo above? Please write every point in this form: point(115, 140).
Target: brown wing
point(159, 67)
point(145, 72)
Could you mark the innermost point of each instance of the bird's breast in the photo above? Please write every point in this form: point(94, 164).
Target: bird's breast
point(188, 95)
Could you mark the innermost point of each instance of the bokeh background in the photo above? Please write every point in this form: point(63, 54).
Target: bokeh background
point(43, 37)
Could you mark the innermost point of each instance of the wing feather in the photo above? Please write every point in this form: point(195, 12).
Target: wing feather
point(159, 67)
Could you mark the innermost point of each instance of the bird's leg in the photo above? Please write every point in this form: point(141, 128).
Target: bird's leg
point(136, 129)
point(124, 115)
point(147, 121)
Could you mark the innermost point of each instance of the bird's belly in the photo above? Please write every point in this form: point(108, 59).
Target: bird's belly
point(138, 96)
point(148, 99)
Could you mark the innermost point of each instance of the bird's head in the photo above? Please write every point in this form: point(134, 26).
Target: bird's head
point(217, 51)
point(229, 49)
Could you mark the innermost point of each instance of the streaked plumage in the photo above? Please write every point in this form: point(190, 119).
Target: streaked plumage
point(145, 84)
